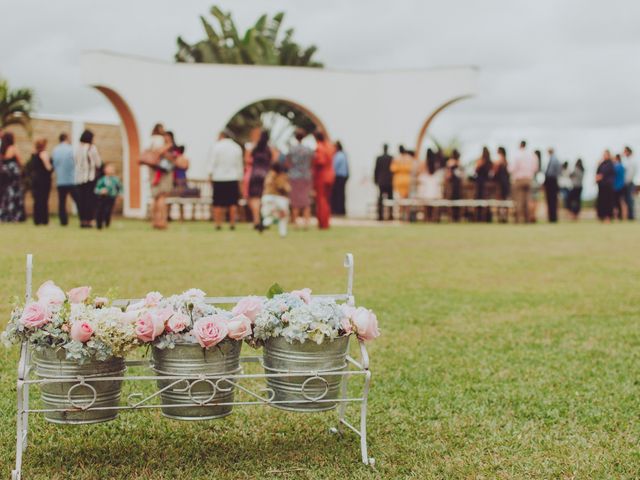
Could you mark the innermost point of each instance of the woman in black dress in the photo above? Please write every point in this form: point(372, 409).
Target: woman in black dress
point(503, 182)
point(11, 193)
point(261, 163)
point(453, 179)
point(40, 182)
point(605, 176)
point(483, 171)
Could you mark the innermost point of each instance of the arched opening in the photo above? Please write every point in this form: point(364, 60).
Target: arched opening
point(422, 136)
point(280, 116)
point(132, 151)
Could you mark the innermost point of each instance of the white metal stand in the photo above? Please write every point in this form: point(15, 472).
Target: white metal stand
point(250, 395)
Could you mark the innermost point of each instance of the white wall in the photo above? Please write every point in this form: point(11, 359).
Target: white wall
point(363, 110)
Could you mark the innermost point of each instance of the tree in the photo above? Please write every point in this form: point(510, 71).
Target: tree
point(446, 149)
point(16, 105)
point(261, 44)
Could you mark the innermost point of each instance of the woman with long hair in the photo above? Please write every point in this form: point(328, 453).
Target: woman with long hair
point(453, 183)
point(503, 182)
point(605, 177)
point(261, 157)
point(483, 172)
point(402, 168)
point(430, 184)
point(11, 192)
point(299, 164)
point(341, 168)
point(160, 176)
point(323, 178)
point(87, 165)
point(40, 182)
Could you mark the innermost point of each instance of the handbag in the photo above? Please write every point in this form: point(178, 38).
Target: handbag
point(150, 158)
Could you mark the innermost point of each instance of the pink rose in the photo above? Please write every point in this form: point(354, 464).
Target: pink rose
point(148, 327)
point(250, 307)
point(366, 324)
point(35, 315)
point(239, 327)
point(79, 294)
point(152, 299)
point(210, 331)
point(347, 311)
point(346, 325)
point(81, 331)
point(49, 292)
point(162, 314)
point(304, 294)
point(177, 323)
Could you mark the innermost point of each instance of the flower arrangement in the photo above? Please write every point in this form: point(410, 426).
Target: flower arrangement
point(296, 316)
point(86, 327)
point(185, 318)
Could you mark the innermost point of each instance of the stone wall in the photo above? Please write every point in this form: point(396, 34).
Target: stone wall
point(107, 138)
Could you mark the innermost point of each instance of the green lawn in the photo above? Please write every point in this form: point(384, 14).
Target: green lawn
point(506, 351)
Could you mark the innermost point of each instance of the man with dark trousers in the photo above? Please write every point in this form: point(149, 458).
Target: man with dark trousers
point(551, 185)
point(383, 178)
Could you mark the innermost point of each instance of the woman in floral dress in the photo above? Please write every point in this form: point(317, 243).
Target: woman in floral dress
point(11, 192)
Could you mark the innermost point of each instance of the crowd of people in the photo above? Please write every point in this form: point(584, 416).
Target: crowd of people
point(80, 174)
point(520, 179)
point(616, 189)
point(278, 185)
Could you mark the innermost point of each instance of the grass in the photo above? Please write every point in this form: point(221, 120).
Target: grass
point(507, 351)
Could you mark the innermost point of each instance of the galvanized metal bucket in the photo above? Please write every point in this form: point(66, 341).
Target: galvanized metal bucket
point(206, 393)
point(305, 393)
point(78, 397)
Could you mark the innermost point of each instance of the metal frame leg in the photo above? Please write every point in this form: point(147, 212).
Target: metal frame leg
point(22, 388)
point(25, 400)
point(363, 422)
point(342, 407)
point(22, 420)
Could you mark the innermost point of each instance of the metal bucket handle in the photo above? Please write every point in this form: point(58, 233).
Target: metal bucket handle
point(214, 389)
point(82, 406)
point(319, 397)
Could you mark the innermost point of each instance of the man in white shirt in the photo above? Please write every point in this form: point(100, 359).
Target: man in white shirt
point(630, 171)
point(523, 168)
point(226, 169)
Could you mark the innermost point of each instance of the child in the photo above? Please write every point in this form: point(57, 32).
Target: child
point(107, 189)
point(275, 198)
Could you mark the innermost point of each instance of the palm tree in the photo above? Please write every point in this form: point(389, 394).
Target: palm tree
point(16, 105)
point(447, 148)
point(261, 44)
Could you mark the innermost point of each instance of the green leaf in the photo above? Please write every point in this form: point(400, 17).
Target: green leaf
point(274, 290)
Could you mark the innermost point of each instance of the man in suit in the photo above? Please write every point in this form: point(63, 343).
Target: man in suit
point(383, 178)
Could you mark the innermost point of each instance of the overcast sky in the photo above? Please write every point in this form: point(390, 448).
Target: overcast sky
point(559, 72)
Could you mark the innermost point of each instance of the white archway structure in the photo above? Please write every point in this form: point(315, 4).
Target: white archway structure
point(196, 101)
